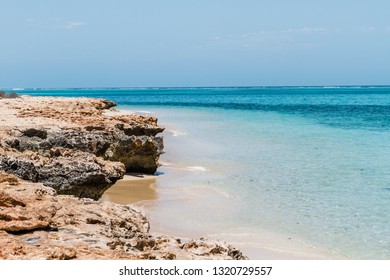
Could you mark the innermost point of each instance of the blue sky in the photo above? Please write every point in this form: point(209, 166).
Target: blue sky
point(193, 43)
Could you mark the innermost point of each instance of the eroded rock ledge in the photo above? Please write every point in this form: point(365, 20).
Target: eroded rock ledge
point(35, 223)
point(75, 145)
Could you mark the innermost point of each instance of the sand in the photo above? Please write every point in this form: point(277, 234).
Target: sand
point(268, 246)
point(131, 189)
point(143, 190)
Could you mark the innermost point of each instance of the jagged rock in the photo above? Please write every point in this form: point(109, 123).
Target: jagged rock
point(208, 249)
point(36, 223)
point(138, 153)
point(72, 172)
point(73, 146)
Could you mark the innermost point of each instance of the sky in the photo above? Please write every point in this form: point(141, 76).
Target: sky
point(150, 43)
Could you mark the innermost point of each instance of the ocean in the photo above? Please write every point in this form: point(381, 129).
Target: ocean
point(301, 163)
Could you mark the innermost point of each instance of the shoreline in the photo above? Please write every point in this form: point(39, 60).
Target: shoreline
point(269, 245)
point(265, 246)
point(144, 190)
point(57, 157)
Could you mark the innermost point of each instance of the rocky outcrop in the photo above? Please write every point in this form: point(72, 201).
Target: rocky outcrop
point(69, 172)
point(36, 223)
point(75, 145)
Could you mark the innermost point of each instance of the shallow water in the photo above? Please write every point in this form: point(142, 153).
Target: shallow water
point(290, 176)
point(309, 164)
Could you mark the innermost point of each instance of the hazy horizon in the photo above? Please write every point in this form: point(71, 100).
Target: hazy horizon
point(189, 87)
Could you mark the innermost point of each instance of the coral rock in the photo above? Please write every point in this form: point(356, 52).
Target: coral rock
point(36, 223)
point(74, 145)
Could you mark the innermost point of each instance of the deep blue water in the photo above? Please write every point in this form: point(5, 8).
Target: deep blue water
point(310, 162)
point(359, 107)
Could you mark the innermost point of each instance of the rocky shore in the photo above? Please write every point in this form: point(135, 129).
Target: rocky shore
point(57, 157)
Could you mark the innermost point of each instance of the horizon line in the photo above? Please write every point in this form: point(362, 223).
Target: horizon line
point(200, 87)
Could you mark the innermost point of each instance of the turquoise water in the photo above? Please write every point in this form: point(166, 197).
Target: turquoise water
point(311, 162)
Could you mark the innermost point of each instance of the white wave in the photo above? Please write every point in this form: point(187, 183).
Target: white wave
point(177, 133)
point(144, 112)
point(196, 168)
point(164, 163)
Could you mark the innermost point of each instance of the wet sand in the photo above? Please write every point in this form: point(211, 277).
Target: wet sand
point(132, 188)
point(143, 190)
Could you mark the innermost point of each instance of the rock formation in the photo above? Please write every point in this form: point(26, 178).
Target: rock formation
point(57, 157)
point(36, 223)
point(74, 145)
